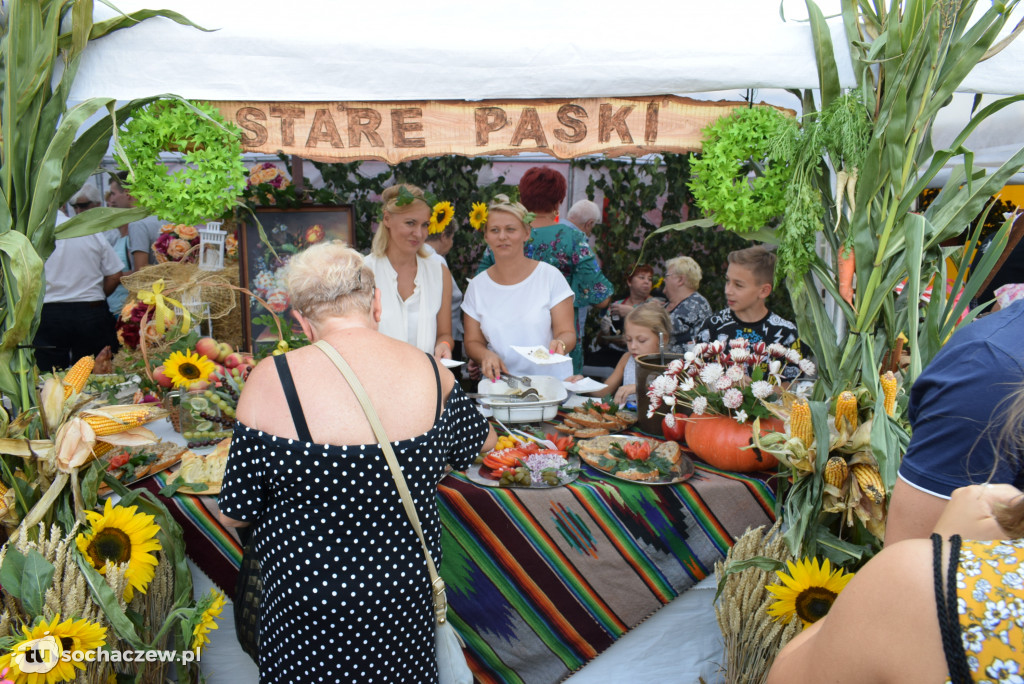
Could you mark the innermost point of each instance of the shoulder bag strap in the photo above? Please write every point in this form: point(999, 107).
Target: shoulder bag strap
point(440, 601)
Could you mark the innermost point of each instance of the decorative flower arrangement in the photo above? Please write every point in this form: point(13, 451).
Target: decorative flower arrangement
point(440, 217)
point(267, 174)
point(478, 217)
point(728, 380)
point(129, 324)
point(176, 243)
point(807, 591)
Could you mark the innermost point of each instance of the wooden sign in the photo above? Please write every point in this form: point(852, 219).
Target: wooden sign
point(396, 131)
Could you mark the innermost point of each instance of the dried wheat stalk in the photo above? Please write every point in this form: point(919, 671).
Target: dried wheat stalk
point(751, 637)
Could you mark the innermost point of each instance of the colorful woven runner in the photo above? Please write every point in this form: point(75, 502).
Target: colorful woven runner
point(542, 581)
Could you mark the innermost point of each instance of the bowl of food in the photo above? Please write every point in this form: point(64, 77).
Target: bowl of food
point(551, 393)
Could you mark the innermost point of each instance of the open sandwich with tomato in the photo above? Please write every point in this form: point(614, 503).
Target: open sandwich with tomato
point(633, 458)
point(596, 418)
point(519, 463)
point(131, 464)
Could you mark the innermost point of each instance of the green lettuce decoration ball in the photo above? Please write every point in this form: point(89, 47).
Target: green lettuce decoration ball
point(212, 176)
point(733, 146)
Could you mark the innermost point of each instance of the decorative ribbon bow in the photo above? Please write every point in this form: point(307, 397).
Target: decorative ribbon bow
point(163, 314)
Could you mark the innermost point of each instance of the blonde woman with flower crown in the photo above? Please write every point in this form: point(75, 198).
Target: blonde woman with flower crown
point(517, 301)
point(416, 291)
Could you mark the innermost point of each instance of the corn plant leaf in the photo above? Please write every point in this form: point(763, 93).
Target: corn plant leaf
point(23, 271)
point(97, 220)
point(824, 56)
point(914, 227)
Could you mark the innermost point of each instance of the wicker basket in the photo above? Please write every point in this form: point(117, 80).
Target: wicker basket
point(173, 410)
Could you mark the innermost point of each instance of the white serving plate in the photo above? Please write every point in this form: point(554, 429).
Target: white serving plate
point(552, 394)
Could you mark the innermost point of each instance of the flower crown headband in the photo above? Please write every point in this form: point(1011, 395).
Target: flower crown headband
point(478, 217)
point(442, 212)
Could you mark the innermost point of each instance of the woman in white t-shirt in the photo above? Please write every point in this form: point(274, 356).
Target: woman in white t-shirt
point(517, 301)
point(415, 291)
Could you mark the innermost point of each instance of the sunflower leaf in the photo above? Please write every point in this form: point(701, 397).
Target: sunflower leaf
point(36, 579)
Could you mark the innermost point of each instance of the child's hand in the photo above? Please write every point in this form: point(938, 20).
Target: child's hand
point(623, 393)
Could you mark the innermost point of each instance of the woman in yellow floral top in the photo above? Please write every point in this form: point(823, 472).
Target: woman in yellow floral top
point(914, 615)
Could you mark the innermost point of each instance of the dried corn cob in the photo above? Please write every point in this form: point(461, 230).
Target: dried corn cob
point(870, 481)
point(836, 471)
point(888, 381)
point(800, 422)
point(101, 448)
point(3, 504)
point(109, 426)
point(846, 409)
point(78, 375)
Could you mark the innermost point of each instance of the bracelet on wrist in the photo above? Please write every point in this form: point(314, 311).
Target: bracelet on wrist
point(445, 343)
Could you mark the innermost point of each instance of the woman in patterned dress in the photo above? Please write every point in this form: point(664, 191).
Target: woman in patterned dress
point(346, 592)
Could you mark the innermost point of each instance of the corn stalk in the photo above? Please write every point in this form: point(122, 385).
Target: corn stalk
point(909, 58)
point(44, 160)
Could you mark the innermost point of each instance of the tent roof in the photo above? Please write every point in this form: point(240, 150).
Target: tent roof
point(324, 50)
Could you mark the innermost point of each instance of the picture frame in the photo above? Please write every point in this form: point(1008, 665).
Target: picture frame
point(289, 231)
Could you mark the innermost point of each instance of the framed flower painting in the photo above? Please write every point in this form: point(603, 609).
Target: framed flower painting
point(289, 231)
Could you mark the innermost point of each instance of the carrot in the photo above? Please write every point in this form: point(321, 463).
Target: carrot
point(846, 264)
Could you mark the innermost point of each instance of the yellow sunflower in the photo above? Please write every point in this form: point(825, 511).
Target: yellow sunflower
point(49, 641)
point(808, 591)
point(120, 535)
point(211, 606)
point(185, 368)
point(478, 217)
point(443, 214)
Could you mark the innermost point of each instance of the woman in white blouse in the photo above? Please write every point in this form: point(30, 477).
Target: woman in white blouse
point(415, 291)
point(517, 301)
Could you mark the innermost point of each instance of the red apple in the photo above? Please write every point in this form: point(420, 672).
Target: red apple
point(199, 385)
point(233, 360)
point(161, 378)
point(208, 347)
point(245, 369)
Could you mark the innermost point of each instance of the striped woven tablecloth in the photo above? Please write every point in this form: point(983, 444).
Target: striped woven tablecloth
point(542, 581)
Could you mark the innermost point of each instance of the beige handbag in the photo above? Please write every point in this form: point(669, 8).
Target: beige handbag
point(451, 663)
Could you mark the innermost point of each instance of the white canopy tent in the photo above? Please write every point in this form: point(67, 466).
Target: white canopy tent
point(322, 50)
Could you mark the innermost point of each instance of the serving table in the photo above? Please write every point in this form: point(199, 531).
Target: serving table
point(541, 581)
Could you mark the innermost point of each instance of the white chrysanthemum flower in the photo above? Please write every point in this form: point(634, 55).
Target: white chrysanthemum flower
point(775, 370)
point(776, 351)
point(732, 398)
point(660, 386)
point(670, 400)
point(698, 349)
point(670, 420)
point(688, 357)
point(793, 356)
point(716, 347)
point(761, 389)
point(675, 366)
point(807, 367)
point(687, 385)
point(738, 343)
point(710, 374)
point(740, 416)
point(723, 383)
point(700, 404)
point(735, 373)
point(739, 355)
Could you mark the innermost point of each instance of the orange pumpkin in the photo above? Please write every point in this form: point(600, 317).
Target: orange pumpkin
point(721, 442)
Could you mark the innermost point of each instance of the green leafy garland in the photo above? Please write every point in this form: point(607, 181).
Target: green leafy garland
point(213, 175)
point(734, 146)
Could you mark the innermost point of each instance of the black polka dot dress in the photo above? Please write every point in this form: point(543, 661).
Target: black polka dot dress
point(346, 592)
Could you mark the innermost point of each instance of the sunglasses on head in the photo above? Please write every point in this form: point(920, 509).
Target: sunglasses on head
point(80, 205)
